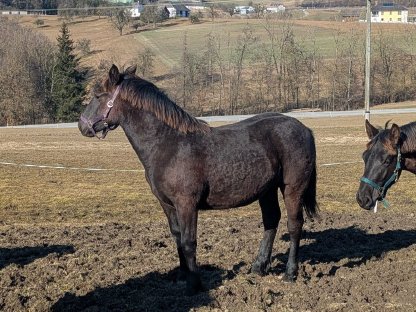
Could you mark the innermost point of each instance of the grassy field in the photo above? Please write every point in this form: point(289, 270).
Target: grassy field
point(41, 195)
point(78, 240)
point(167, 40)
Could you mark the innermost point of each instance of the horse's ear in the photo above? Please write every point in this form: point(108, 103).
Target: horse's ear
point(394, 135)
point(131, 70)
point(370, 130)
point(113, 75)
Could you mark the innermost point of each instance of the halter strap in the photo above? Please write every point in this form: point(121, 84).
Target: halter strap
point(104, 116)
point(393, 179)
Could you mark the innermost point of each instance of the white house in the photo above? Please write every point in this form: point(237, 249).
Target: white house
point(177, 10)
point(275, 8)
point(136, 10)
point(171, 9)
point(196, 7)
point(244, 9)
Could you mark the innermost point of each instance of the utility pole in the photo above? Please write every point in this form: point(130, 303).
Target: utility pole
point(367, 63)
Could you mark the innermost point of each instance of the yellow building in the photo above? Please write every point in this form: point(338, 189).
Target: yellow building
point(389, 13)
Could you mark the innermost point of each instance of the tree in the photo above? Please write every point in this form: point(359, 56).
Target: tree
point(84, 46)
point(26, 62)
point(67, 80)
point(212, 12)
point(39, 22)
point(259, 9)
point(145, 62)
point(153, 14)
point(120, 18)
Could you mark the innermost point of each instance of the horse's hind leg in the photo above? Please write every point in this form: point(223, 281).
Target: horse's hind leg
point(270, 211)
point(293, 197)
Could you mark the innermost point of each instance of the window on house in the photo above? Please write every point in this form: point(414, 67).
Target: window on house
point(399, 19)
point(382, 19)
point(382, 13)
point(399, 12)
point(390, 19)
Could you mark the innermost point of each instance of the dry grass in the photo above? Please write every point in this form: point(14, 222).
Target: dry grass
point(36, 195)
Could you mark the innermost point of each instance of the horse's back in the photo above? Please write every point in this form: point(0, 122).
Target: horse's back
point(274, 131)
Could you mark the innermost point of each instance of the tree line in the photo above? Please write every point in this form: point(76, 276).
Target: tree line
point(51, 4)
point(274, 70)
point(39, 81)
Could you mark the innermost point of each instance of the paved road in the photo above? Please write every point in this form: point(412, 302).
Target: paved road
point(235, 118)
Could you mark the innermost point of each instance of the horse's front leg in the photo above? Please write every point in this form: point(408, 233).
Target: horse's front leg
point(294, 225)
point(171, 214)
point(187, 219)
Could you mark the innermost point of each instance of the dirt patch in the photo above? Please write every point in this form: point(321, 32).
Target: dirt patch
point(349, 262)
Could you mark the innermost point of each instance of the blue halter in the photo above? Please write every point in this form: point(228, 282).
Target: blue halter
point(393, 179)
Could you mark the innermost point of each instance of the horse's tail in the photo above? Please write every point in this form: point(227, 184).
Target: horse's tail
point(309, 196)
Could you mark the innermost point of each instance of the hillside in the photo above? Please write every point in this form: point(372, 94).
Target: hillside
point(230, 65)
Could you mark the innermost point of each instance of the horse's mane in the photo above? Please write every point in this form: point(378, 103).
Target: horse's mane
point(409, 140)
point(407, 137)
point(142, 94)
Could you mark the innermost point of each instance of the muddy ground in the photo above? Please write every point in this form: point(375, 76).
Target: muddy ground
point(349, 262)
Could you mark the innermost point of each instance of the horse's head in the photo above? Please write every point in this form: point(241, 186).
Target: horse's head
point(382, 160)
point(101, 114)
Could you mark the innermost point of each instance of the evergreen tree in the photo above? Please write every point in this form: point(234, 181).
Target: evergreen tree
point(67, 81)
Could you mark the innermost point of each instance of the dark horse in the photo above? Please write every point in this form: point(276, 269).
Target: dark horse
point(191, 166)
point(388, 153)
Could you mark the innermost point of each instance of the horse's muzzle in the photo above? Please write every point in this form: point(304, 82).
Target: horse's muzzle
point(365, 201)
point(85, 129)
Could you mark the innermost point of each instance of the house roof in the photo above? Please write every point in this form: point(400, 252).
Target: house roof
point(351, 13)
point(180, 7)
point(389, 7)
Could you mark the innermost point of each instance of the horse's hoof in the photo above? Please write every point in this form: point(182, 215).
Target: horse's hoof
point(289, 278)
point(193, 284)
point(259, 269)
point(181, 276)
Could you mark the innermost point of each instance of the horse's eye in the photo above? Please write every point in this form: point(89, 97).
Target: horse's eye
point(387, 161)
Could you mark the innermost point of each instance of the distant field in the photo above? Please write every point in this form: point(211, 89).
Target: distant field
point(167, 40)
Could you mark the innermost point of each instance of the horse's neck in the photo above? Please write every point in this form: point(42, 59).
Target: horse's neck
point(409, 150)
point(146, 134)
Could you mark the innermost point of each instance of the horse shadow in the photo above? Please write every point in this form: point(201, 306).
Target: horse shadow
point(351, 243)
point(26, 255)
point(154, 291)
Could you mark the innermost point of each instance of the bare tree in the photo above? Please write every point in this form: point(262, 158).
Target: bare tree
point(26, 59)
point(120, 18)
point(145, 62)
point(152, 15)
point(243, 44)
